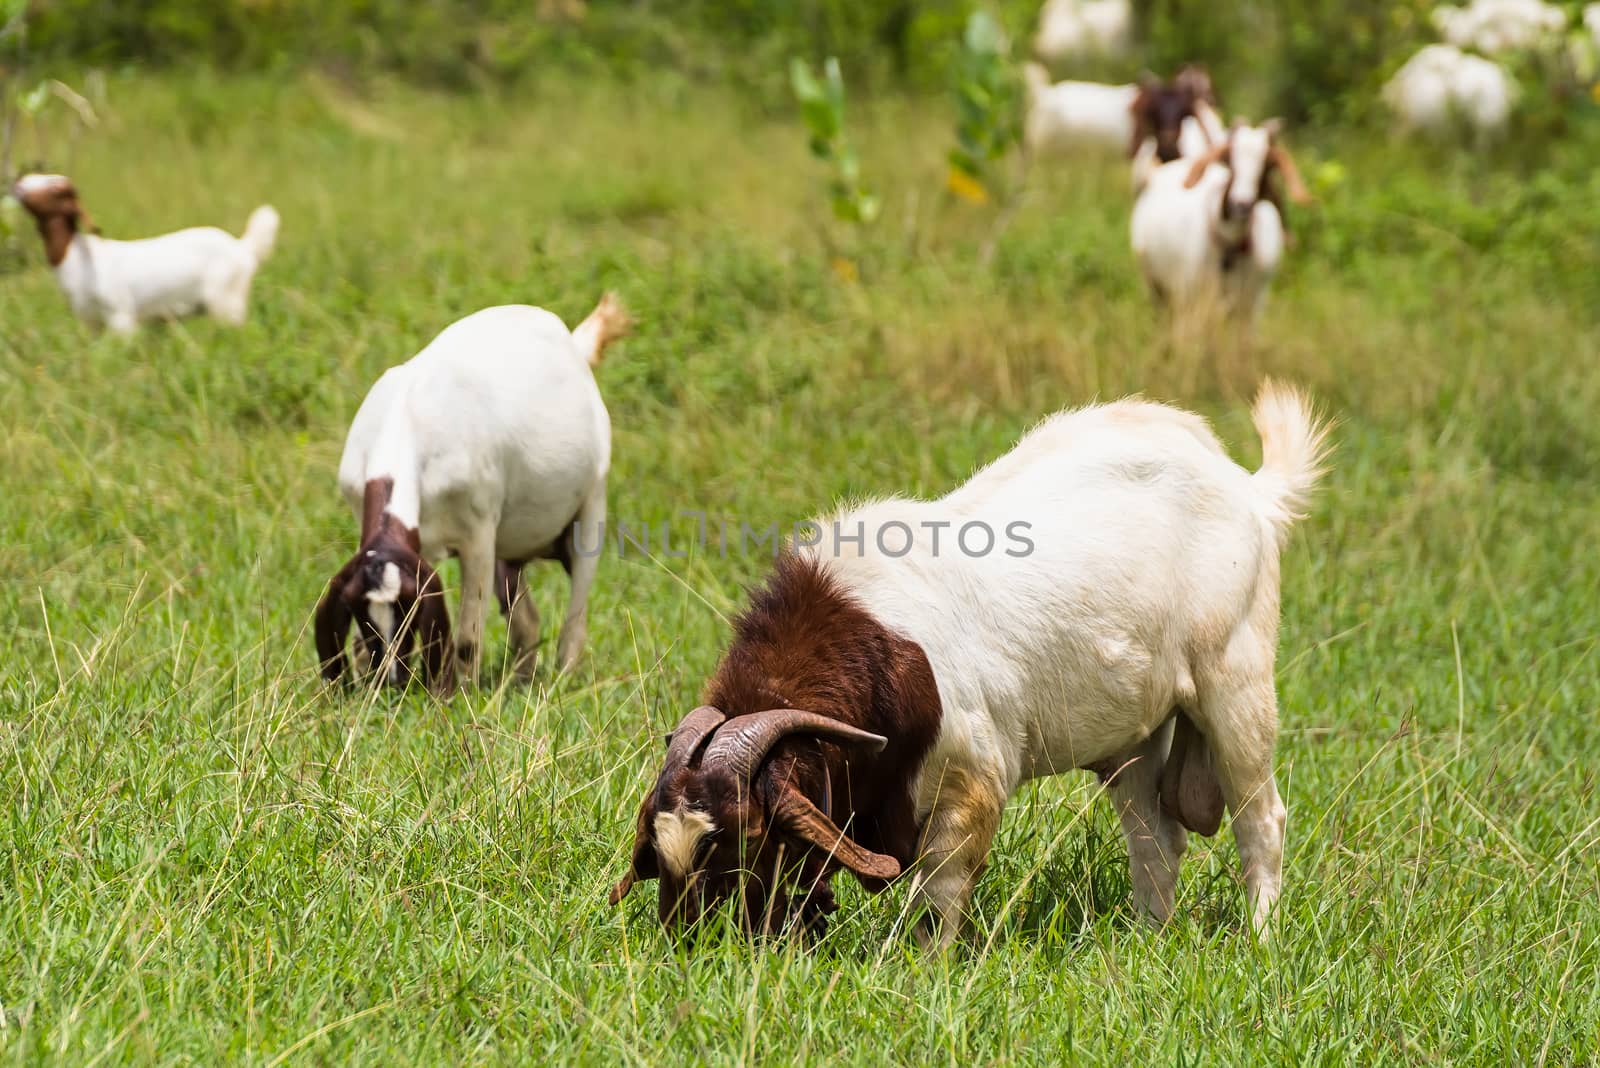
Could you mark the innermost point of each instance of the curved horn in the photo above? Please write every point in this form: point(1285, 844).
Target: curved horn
point(1215, 154)
point(689, 735)
point(1291, 174)
point(744, 743)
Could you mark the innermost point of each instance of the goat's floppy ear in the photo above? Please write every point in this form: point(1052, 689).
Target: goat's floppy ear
point(1214, 154)
point(643, 867)
point(333, 625)
point(797, 817)
point(1280, 158)
point(1142, 127)
point(433, 629)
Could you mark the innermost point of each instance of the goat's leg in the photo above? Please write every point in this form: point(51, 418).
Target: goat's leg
point(1156, 841)
point(477, 582)
point(522, 615)
point(1238, 714)
point(227, 297)
point(582, 558)
point(954, 851)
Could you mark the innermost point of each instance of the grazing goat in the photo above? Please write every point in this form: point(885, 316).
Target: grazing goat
point(492, 445)
point(1212, 228)
point(1441, 85)
point(1495, 27)
point(901, 675)
point(1076, 29)
point(118, 284)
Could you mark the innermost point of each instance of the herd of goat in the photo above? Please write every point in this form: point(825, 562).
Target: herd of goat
point(895, 679)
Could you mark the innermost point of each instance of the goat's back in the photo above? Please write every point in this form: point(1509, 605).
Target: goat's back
point(1127, 546)
point(504, 419)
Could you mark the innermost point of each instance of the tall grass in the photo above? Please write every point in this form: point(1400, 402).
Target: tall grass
point(209, 859)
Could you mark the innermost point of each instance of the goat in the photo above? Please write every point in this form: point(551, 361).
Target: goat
point(118, 284)
point(1172, 120)
point(1068, 116)
point(883, 696)
point(1441, 84)
point(1213, 226)
point(1495, 27)
point(1075, 29)
point(491, 444)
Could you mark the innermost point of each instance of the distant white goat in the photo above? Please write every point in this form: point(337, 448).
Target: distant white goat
point(1073, 29)
point(118, 284)
point(1212, 228)
point(1441, 85)
point(491, 444)
point(1073, 116)
point(1495, 27)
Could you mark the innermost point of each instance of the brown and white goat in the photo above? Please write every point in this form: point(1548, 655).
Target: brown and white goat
point(118, 284)
point(887, 691)
point(492, 445)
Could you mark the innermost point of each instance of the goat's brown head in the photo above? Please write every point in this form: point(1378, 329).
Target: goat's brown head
point(395, 599)
point(723, 820)
point(1252, 155)
point(52, 200)
point(1160, 108)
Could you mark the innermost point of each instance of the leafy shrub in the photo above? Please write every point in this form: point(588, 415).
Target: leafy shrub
point(989, 101)
point(822, 110)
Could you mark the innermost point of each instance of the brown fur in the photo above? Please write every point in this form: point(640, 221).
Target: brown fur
point(1160, 108)
point(803, 643)
point(420, 609)
point(59, 217)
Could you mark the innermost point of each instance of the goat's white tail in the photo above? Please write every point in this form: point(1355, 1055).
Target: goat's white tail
point(261, 232)
point(608, 322)
point(1294, 452)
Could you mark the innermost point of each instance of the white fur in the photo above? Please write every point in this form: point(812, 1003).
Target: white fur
point(1152, 586)
point(1495, 27)
point(1072, 29)
point(678, 836)
point(118, 284)
point(1068, 116)
point(1441, 84)
point(1179, 235)
point(497, 441)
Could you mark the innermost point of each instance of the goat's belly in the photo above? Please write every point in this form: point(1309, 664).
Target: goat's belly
point(167, 298)
point(1102, 707)
point(532, 528)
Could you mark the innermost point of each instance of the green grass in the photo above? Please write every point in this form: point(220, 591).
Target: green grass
point(207, 858)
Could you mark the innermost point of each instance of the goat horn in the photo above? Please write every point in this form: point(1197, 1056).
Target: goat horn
point(1214, 154)
point(688, 736)
point(744, 743)
point(1291, 175)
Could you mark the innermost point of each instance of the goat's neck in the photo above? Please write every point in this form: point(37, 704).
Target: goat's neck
point(393, 465)
point(58, 232)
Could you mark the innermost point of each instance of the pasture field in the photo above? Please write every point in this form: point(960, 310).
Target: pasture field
point(207, 858)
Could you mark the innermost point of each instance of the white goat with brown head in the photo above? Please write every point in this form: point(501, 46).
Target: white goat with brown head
point(491, 445)
point(1211, 229)
point(119, 284)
